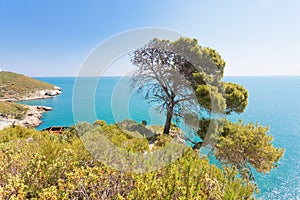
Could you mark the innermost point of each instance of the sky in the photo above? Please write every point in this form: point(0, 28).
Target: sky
point(54, 37)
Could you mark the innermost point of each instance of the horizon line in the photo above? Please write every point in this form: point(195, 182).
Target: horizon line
point(243, 75)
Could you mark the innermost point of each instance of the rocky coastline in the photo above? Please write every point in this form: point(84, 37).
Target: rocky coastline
point(39, 94)
point(33, 115)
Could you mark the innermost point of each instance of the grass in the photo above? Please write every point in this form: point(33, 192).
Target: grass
point(13, 110)
point(14, 85)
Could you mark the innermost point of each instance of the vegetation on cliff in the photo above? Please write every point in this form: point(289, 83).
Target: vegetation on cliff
point(12, 110)
point(39, 165)
point(13, 85)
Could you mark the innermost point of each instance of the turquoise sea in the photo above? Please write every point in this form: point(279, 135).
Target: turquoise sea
point(273, 102)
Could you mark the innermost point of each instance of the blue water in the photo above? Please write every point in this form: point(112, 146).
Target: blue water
point(273, 101)
point(111, 92)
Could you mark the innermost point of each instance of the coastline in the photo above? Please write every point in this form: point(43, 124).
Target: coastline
point(32, 117)
point(39, 94)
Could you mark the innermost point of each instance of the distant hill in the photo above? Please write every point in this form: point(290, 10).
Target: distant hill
point(18, 86)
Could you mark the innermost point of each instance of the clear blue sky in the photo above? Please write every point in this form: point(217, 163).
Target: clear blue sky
point(53, 37)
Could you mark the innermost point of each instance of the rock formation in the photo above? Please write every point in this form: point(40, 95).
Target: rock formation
point(32, 117)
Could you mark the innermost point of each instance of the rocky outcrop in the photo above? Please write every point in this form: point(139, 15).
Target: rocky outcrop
point(32, 118)
point(52, 93)
point(178, 136)
point(39, 94)
point(45, 108)
point(57, 88)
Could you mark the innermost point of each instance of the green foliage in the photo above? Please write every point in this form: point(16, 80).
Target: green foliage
point(136, 145)
point(202, 78)
point(210, 98)
point(37, 165)
point(162, 140)
point(209, 128)
point(247, 144)
point(100, 123)
point(166, 68)
point(12, 110)
point(217, 60)
point(134, 129)
point(236, 97)
point(126, 135)
point(18, 132)
point(191, 178)
point(203, 59)
point(13, 85)
point(241, 146)
point(32, 161)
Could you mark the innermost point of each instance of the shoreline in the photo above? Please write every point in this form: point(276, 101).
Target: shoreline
point(37, 95)
point(32, 117)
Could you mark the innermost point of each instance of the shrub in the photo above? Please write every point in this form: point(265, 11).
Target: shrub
point(37, 165)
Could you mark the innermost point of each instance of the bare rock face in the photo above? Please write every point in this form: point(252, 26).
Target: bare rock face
point(4, 124)
point(10, 100)
point(45, 108)
point(31, 119)
point(57, 88)
point(43, 94)
point(178, 136)
point(52, 93)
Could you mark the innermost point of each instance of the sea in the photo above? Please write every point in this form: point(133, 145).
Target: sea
point(274, 101)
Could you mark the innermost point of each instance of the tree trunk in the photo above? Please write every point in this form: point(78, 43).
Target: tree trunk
point(168, 120)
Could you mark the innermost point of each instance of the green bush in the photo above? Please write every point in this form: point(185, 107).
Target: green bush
point(37, 165)
point(13, 110)
point(16, 133)
point(191, 178)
